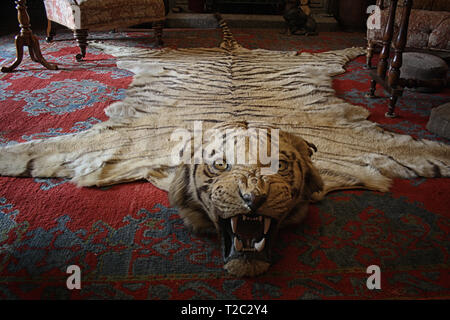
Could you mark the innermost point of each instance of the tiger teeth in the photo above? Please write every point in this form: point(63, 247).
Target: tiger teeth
point(245, 218)
point(266, 225)
point(234, 224)
point(259, 246)
point(238, 244)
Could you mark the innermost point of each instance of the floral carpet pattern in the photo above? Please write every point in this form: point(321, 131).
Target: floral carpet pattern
point(130, 244)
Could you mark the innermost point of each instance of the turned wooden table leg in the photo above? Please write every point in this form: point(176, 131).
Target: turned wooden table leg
point(19, 55)
point(26, 38)
point(394, 70)
point(32, 55)
point(38, 55)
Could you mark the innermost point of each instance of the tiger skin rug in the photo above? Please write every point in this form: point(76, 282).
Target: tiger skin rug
point(231, 86)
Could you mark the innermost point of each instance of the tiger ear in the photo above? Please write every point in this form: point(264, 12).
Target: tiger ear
point(313, 181)
point(312, 148)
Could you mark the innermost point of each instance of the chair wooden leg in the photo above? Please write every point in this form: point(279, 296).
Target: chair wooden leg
point(50, 32)
point(373, 88)
point(397, 60)
point(369, 55)
point(81, 37)
point(158, 26)
point(387, 40)
point(391, 108)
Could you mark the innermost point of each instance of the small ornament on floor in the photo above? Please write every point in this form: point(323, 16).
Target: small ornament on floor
point(299, 19)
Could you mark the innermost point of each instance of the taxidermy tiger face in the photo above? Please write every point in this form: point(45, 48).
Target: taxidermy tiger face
point(247, 202)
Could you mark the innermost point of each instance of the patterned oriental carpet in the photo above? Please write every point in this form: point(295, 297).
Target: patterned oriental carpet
point(130, 244)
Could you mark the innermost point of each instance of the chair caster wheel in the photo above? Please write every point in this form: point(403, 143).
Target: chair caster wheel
point(79, 57)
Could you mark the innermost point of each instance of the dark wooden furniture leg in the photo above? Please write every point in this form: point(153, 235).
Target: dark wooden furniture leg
point(373, 88)
point(26, 38)
point(158, 26)
point(369, 55)
point(380, 73)
point(387, 41)
point(391, 79)
point(81, 37)
point(50, 32)
point(397, 61)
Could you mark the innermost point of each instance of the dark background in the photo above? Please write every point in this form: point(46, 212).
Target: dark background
point(350, 13)
point(8, 16)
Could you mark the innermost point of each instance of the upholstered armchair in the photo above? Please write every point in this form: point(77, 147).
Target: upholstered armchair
point(429, 27)
point(83, 15)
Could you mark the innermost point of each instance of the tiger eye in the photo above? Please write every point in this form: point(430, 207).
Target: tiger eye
point(221, 166)
point(283, 165)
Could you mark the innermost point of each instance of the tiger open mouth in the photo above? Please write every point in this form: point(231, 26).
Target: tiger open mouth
point(247, 236)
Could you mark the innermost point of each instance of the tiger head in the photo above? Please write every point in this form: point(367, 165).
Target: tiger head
point(247, 202)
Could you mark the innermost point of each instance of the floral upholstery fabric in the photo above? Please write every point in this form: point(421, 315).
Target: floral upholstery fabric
point(103, 14)
point(62, 12)
point(427, 29)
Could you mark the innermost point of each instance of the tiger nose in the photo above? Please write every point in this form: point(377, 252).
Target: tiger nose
point(253, 201)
